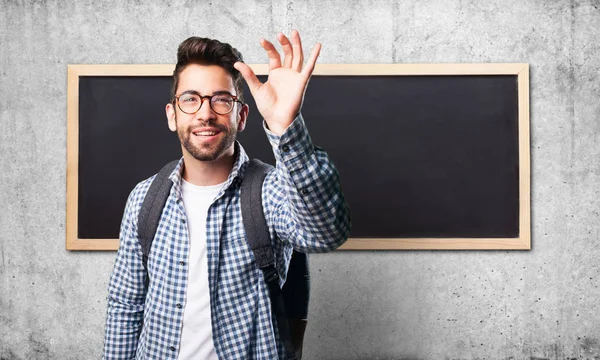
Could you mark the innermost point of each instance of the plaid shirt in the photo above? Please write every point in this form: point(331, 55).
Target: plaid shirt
point(304, 208)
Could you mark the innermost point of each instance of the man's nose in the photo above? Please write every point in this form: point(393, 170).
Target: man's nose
point(205, 111)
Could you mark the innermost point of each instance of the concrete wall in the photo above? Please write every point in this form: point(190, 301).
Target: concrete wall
point(538, 304)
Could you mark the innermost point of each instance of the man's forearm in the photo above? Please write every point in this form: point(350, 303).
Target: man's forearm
point(315, 214)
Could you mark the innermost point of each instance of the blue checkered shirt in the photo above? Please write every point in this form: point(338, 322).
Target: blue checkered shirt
point(305, 210)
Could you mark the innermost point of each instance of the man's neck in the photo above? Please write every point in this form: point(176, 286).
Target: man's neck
point(206, 173)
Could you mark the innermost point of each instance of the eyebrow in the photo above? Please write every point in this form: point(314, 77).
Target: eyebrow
point(218, 92)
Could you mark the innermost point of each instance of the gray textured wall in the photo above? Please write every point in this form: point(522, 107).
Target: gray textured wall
point(535, 304)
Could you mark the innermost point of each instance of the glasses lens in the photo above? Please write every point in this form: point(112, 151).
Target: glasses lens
point(221, 104)
point(189, 103)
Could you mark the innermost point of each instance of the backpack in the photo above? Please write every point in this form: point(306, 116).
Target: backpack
point(289, 305)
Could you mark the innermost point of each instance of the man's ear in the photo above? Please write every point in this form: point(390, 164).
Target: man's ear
point(242, 116)
point(170, 111)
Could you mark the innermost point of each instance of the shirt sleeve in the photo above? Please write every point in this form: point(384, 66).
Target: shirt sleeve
point(126, 292)
point(308, 208)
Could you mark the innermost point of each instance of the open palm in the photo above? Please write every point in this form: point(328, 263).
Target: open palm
point(280, 98)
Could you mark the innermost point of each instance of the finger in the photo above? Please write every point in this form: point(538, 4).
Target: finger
point(298, 53)
point(274, 58)
point(253, 83)
point(310, 65)
point(287, 50)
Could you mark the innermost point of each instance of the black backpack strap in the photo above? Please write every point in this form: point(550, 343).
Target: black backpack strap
point(257, 236)
point(296, 296)
point(152, 208)
point(296, 290)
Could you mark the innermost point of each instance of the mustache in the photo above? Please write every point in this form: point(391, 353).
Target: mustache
point(220, 127)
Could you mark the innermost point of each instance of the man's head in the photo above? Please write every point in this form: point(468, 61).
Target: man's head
point(204, 69)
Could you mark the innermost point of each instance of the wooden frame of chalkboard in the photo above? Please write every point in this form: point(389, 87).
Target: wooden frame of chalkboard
point(520, 240)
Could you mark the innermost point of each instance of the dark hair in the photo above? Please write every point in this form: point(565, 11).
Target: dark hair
point(204, 51)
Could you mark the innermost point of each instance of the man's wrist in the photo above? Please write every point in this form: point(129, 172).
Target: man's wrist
point(294, 146)
point(278, 128)
point(275, 135)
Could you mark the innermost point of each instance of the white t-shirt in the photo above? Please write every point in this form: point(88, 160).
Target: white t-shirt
point(196, 333)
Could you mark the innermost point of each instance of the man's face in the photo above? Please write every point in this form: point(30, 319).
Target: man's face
point(206, 135)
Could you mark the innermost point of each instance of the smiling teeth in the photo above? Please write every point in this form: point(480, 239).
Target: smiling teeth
point(206, 133)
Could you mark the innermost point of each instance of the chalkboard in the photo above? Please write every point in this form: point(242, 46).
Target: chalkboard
point(430, 157)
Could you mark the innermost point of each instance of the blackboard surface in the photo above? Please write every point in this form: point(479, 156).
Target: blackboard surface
point(418, 156)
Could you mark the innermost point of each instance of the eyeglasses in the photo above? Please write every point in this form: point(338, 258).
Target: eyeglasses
point(190, 102)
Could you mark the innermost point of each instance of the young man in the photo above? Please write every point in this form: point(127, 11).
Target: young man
point(206, 298)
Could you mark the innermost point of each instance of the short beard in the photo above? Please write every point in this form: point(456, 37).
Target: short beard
point(206, 153)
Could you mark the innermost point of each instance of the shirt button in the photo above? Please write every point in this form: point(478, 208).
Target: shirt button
point(303, 191)
point(178, 306)
point(182, 263)
point(183, 221)
point(285, 148)
point(172, 348)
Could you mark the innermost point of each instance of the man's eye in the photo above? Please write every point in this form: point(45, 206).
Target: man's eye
point(189, 100)
point(222, 99)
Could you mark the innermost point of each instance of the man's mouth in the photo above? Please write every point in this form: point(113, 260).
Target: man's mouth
point(206, 133)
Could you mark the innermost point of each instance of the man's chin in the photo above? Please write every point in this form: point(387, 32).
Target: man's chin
point(205, 157)
point(209, 154)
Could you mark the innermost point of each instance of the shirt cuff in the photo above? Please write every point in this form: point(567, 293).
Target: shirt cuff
point(294, 147)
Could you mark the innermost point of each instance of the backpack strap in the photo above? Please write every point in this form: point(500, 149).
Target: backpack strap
point(257, 236)
point(296, 296)
point(152, 208)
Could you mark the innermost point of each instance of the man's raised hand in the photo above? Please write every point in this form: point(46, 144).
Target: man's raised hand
point(280, 98)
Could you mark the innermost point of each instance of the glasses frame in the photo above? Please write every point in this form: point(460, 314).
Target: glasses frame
point(209, 97)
